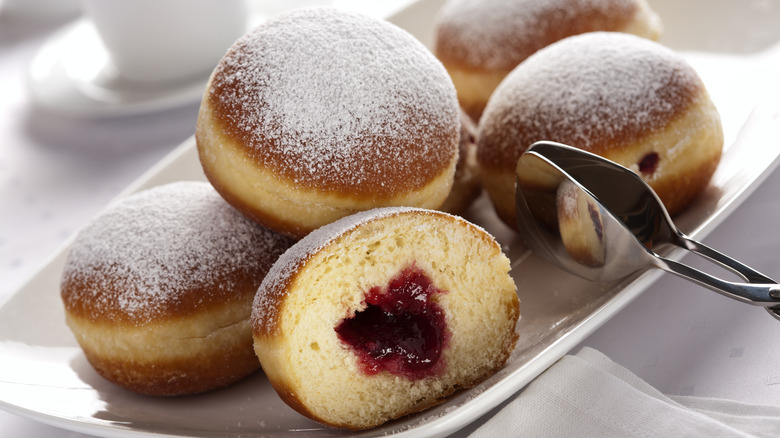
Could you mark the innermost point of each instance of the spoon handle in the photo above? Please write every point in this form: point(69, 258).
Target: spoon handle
point(760, 289)
point(760, 294)
point(748, 273)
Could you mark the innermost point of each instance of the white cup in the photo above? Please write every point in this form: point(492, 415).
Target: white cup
point(166, 40)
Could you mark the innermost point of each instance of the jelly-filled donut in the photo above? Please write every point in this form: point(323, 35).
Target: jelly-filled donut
point(626, 98)
point(158, 289)
point(481, 41)
point(320, 113)
point(384, 313)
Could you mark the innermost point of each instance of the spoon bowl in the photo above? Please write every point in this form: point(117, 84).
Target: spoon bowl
point(601, 221)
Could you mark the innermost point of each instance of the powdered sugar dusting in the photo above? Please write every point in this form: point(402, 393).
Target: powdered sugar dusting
point(326, 95)
point(594, 91)
point(159, 250)
point(498, 34)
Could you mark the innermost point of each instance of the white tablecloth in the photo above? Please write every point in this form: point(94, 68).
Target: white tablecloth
point(56, 172)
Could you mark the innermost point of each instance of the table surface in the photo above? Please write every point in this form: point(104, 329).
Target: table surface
point(56, 172)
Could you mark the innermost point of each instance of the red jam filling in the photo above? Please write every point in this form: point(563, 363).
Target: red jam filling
point(649, 163)
point(401, 330)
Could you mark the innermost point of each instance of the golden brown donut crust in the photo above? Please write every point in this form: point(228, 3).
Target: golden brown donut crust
point(498, 35)
point(158, 289)
point(616, 95)
point(520, 126)
point(481, 41)
point(420, 159)
point(91, 300)
point(183, 354)
point(330, 113)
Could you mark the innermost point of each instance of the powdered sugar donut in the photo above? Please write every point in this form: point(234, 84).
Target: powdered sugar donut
point(320, 113)
point(626, 98)
point(481, 41)
point(384, 313)
point(158, 289)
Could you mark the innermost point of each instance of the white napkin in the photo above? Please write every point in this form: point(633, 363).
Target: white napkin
point(589, 395)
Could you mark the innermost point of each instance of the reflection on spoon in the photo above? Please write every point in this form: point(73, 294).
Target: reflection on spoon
point(580, 224)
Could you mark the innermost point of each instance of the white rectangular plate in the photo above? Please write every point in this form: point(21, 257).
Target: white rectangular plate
point(43, 374)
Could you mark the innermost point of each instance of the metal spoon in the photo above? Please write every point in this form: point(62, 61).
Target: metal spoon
point(601, 221)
